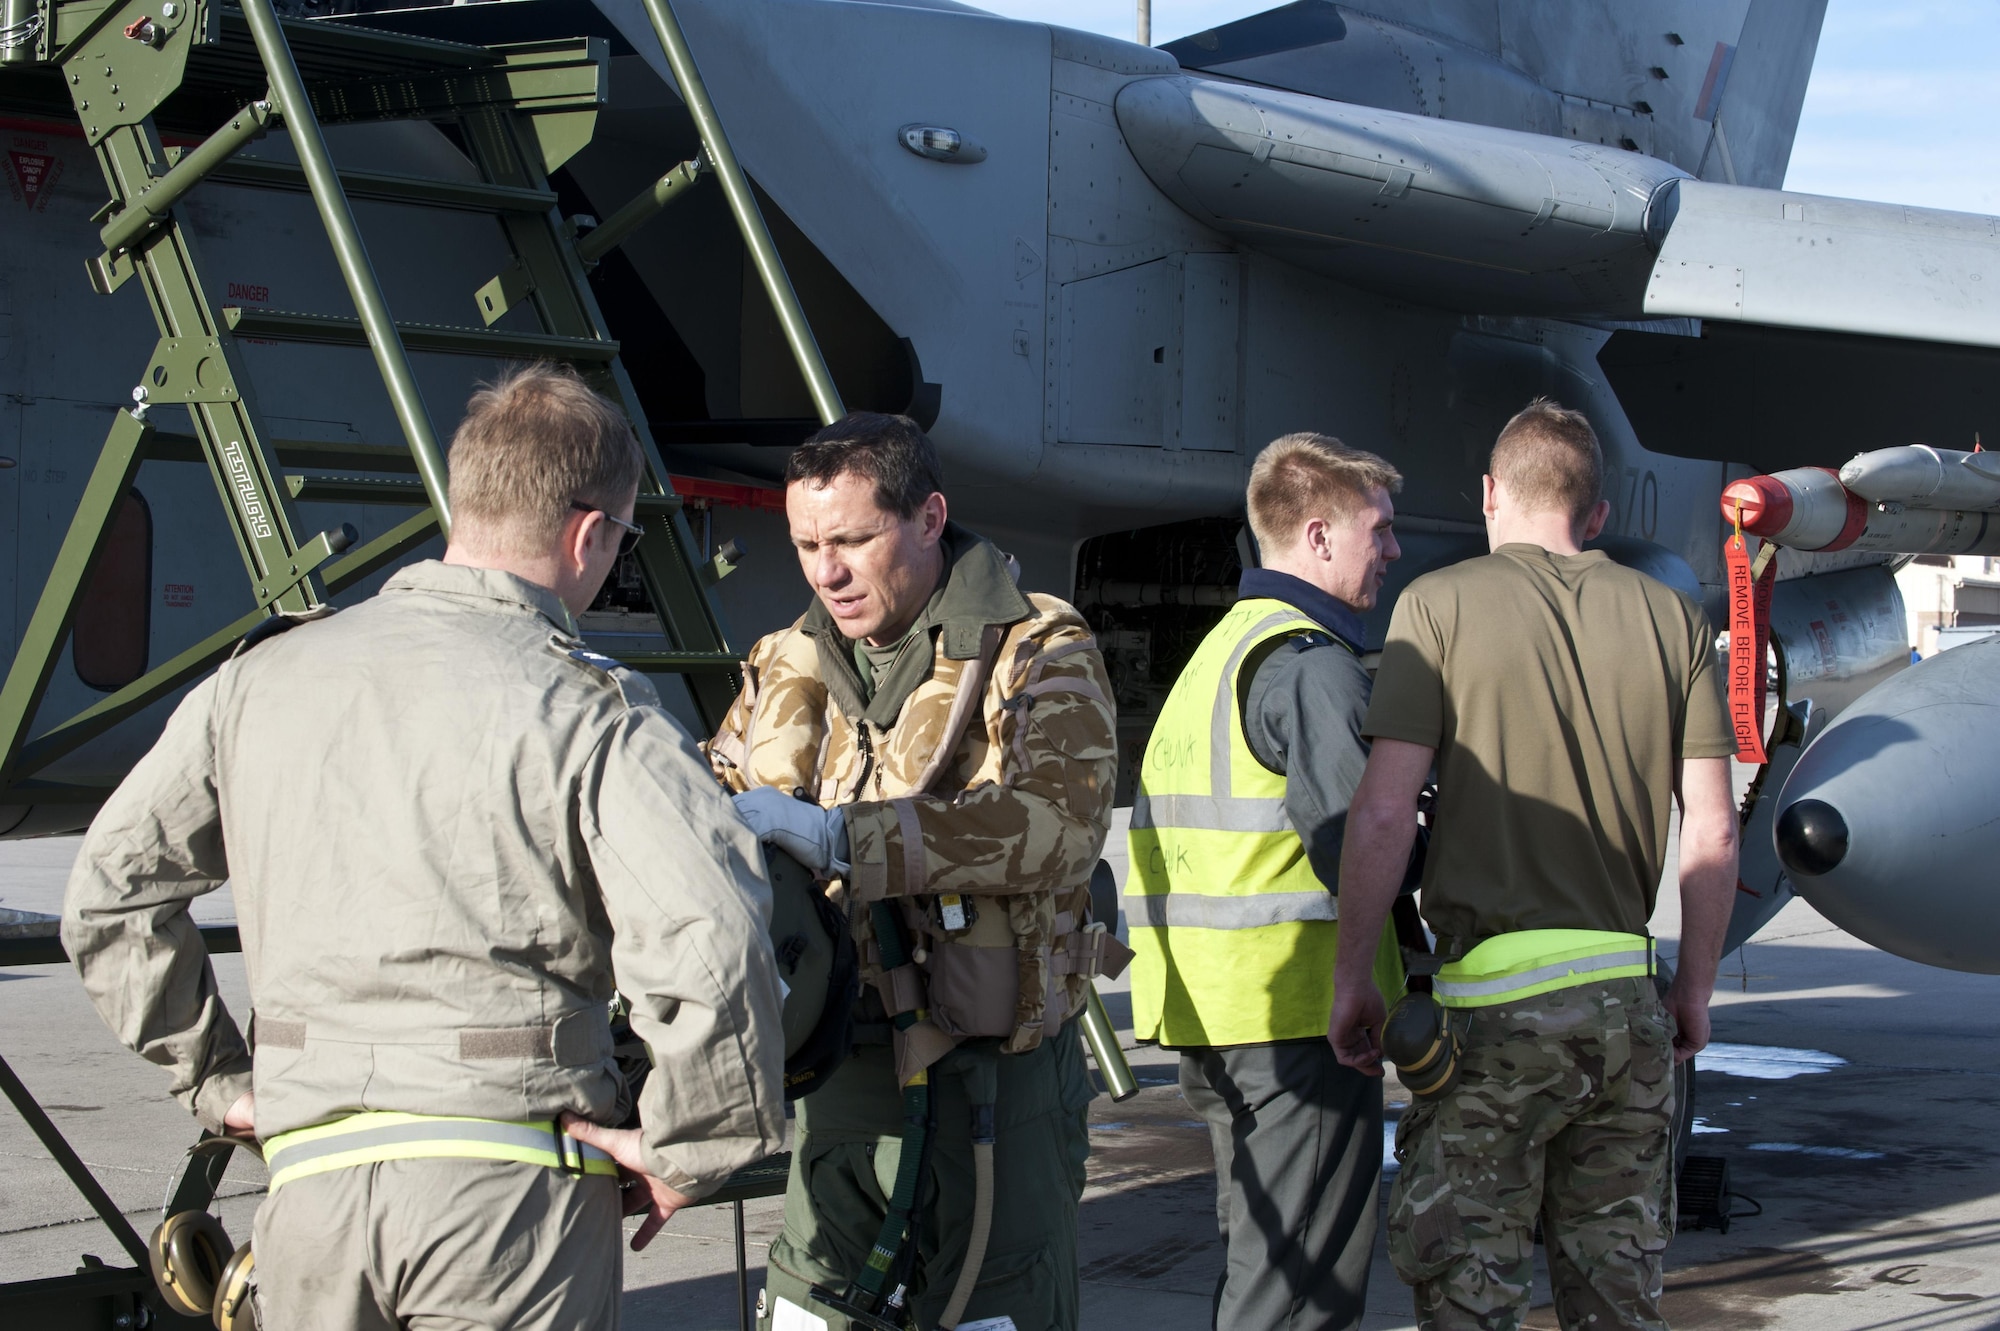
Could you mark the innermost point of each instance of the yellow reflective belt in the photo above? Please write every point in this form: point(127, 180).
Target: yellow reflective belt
point(1540, 961)
point(367, 1139)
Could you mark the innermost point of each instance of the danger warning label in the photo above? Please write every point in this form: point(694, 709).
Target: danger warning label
point(31, 176)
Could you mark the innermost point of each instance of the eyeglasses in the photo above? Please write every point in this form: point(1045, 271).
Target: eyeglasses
point(628, 540)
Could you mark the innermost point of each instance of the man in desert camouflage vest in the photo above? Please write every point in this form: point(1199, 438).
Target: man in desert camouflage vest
point(939, 741)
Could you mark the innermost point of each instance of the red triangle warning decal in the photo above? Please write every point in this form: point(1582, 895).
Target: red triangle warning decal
point(34, 173)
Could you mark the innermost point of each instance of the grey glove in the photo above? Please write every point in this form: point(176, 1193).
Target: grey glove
point(815, 837)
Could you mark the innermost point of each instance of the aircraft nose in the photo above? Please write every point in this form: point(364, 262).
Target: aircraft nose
point(1812, 838)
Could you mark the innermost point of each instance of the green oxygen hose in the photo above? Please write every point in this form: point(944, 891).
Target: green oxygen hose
point(867, 1290)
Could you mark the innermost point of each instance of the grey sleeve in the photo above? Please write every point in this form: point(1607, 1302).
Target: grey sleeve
point(1302, 717)
point(683, 883)
point(155, 847)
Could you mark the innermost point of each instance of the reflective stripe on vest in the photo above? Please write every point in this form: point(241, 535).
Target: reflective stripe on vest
point(1186, 910)
point(367, 1139)
point(1233, 933)
point(1540, 961)
point(1210, 813)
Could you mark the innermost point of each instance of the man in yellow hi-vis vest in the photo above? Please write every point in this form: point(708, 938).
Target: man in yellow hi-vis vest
point(1235, 846)
point(446, 822)
point(1563, 699)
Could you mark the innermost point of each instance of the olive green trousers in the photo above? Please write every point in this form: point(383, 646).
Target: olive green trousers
point(847, 1145)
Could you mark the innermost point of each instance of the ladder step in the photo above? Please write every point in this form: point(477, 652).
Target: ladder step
point(336, 331)
point(772, 432)
point(330, 51)
point(168, 446)
point(657, 506)
point(681, 662)
point(36, 949)
point(472, 196)
point(334, 488)
point(769, 1177)
point(347, 488)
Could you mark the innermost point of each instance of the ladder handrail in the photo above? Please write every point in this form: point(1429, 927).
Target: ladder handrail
point(348, 251)
point(749, 220)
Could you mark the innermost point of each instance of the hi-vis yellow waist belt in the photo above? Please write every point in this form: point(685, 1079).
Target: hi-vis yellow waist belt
point(367, 1139)
point(1540, 961)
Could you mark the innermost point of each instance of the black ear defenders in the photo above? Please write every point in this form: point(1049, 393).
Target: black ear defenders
point(200, 1273)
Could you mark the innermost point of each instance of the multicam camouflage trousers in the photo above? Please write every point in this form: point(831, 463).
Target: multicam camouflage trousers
point(1564, 1109)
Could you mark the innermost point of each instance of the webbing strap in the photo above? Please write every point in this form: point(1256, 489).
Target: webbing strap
point(871, 1283)
point(1564, 964)
point(367, 1139)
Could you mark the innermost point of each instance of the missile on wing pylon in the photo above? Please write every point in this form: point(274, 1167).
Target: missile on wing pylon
point(1919, 476)
point(1886, 823)
point(1807, 508)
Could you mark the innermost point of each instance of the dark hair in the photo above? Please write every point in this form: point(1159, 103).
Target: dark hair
point(1549, 459)
point(891, 451)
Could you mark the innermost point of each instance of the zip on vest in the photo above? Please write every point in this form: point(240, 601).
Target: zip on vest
point(371, 1138)
point(866, 747)
point(1540, 961)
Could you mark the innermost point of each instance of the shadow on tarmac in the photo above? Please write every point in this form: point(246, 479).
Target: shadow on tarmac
point(1876, 1177)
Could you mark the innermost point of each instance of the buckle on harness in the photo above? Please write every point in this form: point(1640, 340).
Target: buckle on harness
point(564, 1145)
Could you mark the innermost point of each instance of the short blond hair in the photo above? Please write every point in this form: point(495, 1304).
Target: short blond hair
point(532, 441)
point(1550, 461)
point(1304, 476)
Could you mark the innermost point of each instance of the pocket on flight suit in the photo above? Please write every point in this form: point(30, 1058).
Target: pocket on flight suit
point(1427, 1237)
point(1651, 1096)
point(834, 1208)
point(973, 987)
point(1021, 1285)
point(1651, 1030)
point(1030, 1272)
point(1074, 1086)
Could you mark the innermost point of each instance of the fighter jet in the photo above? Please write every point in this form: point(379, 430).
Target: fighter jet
point(1102, 275)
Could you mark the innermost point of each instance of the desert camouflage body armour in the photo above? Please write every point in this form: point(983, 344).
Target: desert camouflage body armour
point(987, 777)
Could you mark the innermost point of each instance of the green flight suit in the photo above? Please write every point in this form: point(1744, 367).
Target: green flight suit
point(980, 764)
point(844, 1170)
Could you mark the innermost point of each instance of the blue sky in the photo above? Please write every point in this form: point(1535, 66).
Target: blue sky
point(1904, 103)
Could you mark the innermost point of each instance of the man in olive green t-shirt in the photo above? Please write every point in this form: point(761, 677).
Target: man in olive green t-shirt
point(1562, 699)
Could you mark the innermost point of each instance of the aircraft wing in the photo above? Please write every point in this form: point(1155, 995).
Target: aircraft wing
point(1835, 265)
point(1500, 221)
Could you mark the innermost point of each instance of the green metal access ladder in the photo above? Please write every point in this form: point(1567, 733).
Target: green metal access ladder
point(519, 112)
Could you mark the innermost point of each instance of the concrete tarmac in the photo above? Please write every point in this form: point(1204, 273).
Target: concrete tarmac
point(1850, 1093)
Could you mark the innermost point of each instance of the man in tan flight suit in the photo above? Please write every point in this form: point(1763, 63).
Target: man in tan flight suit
point(952, 738)
point(446, 824)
